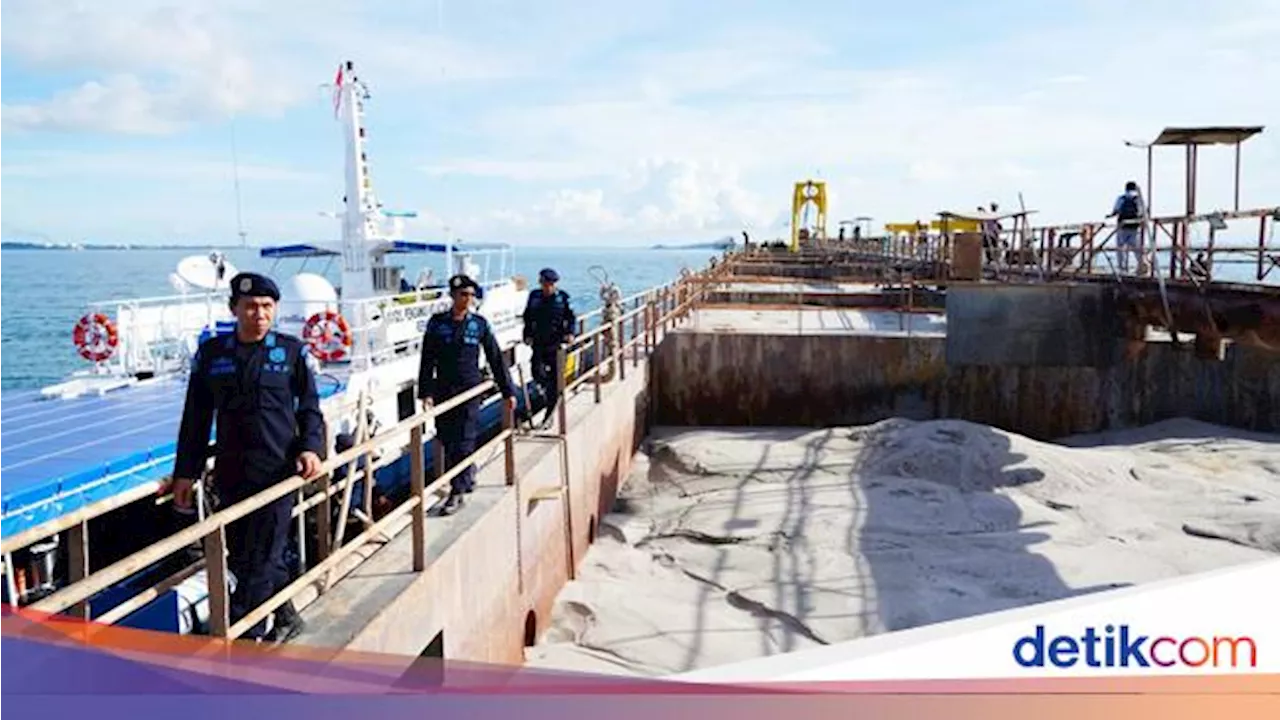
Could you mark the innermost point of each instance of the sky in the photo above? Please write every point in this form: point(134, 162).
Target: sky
point(604, 122)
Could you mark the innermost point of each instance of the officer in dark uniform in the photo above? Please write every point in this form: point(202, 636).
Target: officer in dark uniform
point(258, 385)
point(450, 365)
point(548, 322)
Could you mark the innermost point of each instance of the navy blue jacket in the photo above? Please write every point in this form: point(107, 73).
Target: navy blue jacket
point(451, 357)
point(548, 318)
point(267, 407)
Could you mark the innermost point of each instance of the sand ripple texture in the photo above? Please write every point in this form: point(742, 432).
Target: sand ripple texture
point(729, 544)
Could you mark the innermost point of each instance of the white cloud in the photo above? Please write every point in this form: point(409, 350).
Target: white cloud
point(655, 198)
point(168, 65)
point(150, 166)
point(1043, 114)
point(518, 170)
point(684, 139)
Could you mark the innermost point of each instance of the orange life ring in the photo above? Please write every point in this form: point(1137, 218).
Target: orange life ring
point(328, 336)
point(95, 337)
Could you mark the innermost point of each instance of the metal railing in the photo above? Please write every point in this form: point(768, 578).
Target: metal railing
point(1168, 245)
point(657, 311)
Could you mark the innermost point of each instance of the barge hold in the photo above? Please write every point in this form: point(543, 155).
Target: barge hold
point(839, 336)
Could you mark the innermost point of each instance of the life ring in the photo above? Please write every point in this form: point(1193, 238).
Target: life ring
point(95, 337)
point(328, 336)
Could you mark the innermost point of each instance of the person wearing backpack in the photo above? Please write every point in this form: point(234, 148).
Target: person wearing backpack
point(1130, 214)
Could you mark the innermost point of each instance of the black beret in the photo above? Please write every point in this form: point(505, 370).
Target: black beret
point(254, 285)
point(458, 282)
point(548, 275)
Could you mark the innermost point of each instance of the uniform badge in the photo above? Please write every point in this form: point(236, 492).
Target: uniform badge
point(276, 355)
point(246, 284)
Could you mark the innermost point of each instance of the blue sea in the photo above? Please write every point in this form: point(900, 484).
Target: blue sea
point(44, 292)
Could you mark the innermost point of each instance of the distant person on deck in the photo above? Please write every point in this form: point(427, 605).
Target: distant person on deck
point(991, 230)
point(1129, 212)
point(548, 322)
point(1199, 269)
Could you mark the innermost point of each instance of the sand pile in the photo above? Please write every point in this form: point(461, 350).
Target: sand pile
point(732, 544)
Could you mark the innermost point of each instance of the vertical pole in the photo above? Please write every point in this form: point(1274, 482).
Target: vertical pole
point(417, 487)
point(78, 564)
point(648, 308)
point(1262, 247)
point(1191, 180)
point(324, 512)
point(566, 487)
point(215, 559)
point(562, 413)
point(11, 575)
point(1150, 190)
point(599, 364)
point(437, 456)
point(509, 424)
point(1237, 176)
point(621, 347)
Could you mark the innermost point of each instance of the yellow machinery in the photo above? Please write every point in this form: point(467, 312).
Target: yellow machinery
point(808, 192)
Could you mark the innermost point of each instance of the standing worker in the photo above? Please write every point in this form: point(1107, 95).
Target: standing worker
point(451, 365)
point(258, 384)
point(548, 322)
point(1130, 214)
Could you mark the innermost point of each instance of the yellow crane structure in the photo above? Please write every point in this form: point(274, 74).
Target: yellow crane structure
point(808, 193)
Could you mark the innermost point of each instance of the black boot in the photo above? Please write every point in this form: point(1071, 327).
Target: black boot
point(452, 505)
point(288, 624)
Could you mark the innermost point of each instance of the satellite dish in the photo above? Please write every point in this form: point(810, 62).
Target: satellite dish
point(206, 272)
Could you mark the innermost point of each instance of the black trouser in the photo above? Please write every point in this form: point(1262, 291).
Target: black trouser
point(256, 547)
point(544, 374)
point(457, 430)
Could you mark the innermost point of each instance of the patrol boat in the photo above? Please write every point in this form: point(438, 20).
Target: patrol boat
point(108, 433)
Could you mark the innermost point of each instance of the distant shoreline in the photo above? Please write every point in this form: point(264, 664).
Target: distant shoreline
point(8, 245)
point(696, 246)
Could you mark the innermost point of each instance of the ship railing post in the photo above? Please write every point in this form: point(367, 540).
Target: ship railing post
point(562, 411)
point(648, 326)
point(437, 457)
point(620, 348)
point(635, 336)
point(417, 487)
point(215, 558)
point(597, 355)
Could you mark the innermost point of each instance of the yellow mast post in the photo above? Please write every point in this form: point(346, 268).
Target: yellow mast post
point(809, 191)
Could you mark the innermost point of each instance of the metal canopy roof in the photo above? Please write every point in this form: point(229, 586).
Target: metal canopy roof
point(985, 214)
point(1222, 135)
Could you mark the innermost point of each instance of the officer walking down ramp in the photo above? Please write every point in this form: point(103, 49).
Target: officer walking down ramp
point(450, 365)
point(548, 322)
point(258, 385)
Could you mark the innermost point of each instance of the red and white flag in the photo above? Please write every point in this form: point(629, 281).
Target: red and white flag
point(337, 92)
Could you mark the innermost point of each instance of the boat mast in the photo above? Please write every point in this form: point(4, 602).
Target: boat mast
point(359, 225)
point(235, 179)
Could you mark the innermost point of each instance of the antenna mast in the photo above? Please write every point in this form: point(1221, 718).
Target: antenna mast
point(235, 175)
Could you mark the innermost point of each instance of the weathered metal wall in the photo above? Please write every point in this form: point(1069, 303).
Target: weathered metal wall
point(744, 379)
point(1064, 325)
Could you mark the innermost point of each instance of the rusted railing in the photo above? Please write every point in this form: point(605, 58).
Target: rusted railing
point(1083, 249)
point(657, 310)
